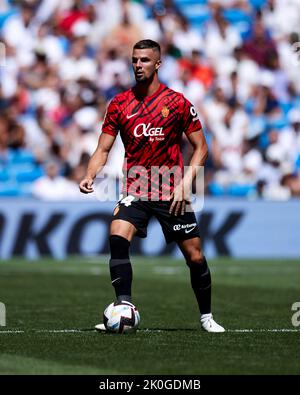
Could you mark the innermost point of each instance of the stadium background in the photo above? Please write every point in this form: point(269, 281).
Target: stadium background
point(61, 62)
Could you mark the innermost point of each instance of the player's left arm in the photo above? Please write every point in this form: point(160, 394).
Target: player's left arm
point(182, 192)
point(200, 150)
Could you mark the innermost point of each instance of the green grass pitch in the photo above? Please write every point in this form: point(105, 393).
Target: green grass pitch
point(47, 299)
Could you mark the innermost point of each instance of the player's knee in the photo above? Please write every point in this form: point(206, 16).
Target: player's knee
point(195, 257)
point(119, 247)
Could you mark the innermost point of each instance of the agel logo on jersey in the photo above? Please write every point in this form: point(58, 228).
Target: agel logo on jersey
point(145, 130)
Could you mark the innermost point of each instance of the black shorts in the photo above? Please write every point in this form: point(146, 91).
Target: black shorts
point(139, 212)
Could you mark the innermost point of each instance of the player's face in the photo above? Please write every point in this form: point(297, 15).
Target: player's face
point(145, 63)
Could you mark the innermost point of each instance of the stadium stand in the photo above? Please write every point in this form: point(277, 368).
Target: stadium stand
point(237, 61)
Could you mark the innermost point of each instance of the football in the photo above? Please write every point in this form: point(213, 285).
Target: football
point(121, 317)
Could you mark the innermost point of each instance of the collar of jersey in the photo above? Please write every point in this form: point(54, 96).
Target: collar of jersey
point(159, 89)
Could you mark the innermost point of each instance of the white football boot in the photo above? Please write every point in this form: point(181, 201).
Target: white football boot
point(100, 328)
point(209, 324)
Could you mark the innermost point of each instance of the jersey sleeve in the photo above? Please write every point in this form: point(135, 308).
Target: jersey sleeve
point(111, 120)
point(190, 118)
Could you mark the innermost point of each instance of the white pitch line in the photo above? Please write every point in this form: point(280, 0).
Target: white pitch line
point(58, 331)
point(283, 330)
point(232, 330)
point(261, 330)
point(44, 331)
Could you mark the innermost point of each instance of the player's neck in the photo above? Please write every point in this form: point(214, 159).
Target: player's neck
point(143, 89)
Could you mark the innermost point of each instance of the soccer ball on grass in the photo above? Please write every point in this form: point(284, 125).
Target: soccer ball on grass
point(121, 317)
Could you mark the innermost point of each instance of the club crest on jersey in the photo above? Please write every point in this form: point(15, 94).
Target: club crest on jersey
point(165, 111)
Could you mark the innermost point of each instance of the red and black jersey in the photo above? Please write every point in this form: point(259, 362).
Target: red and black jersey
point(151, 130)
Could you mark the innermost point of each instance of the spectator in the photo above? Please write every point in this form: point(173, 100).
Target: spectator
point(3, 140)
point(259, 47)
point(186, 38)
point(51, 186)
point(65, 60)
point(221, 39)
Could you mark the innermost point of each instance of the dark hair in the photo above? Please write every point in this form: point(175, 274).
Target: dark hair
point(144, 44)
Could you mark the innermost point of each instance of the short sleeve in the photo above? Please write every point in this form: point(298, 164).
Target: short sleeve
point(111, 120)
point(190, 118)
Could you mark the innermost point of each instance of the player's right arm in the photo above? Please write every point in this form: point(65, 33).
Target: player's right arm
point(97, 162)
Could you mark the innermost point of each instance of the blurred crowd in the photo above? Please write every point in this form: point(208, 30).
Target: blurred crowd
point(235, 60)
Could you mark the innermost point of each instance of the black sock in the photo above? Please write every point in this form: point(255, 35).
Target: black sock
point(120, 267)
point(201, 284)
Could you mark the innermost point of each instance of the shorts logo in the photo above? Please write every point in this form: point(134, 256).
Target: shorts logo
point(165, 111)
point(187, 228)
point(145, 130)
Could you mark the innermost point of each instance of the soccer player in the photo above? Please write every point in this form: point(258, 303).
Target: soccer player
point(151, 118)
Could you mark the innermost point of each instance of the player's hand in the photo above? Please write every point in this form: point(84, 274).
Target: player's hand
point(180, 197)
point(86, 185)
